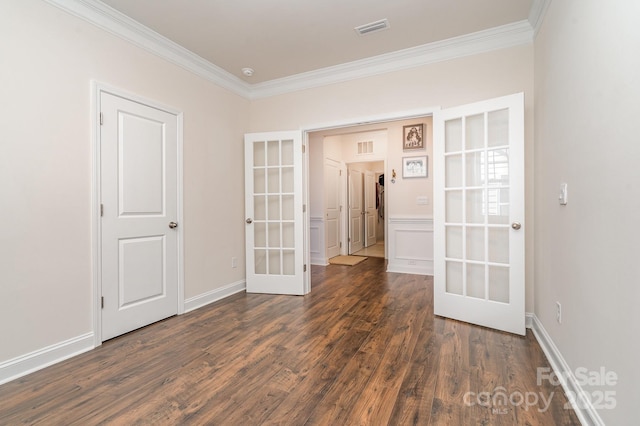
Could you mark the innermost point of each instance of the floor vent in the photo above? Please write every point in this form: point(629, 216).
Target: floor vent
point(373, 27)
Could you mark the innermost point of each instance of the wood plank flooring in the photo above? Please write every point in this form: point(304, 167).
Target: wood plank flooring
point(364, 348)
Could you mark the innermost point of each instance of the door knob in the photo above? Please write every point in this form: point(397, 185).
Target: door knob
point(173, 225)
point(516, 225)
point(249, 220)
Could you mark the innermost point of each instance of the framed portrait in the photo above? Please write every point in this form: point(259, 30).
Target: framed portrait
point(415, 167)
point(413, 137)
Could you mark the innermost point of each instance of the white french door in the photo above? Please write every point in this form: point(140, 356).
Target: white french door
point(139, 154)
point(479, 213)
point(274, 213)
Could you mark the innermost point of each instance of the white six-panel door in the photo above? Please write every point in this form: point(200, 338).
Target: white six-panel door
point(273, 213)
point(479, 213)
point(139, 197)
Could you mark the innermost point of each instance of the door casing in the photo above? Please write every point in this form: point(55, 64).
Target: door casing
point(97, 89)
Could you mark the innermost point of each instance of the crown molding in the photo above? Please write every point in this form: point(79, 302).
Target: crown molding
point(537, 13)
point(116, 23)
point(119, 24)
point(509, 35)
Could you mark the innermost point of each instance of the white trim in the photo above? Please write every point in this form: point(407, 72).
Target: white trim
point(537, 13)
point(203, 299)
point(586, 413)
point(37, 360)
point(528, 320)
point(97, 89)
point(118, 24)
point(370, 119)
point(510, 35)
point(410, 220)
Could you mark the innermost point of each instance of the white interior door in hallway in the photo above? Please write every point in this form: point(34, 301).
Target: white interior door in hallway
point(370, 209)
point(333, 208)
point(356, 211)
point(139, 196)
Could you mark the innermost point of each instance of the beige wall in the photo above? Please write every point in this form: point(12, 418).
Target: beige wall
point(587, 81)
point(442, 84)
point(48, 60)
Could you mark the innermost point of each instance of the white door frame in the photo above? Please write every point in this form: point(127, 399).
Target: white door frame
point(97, 89)
point(338, 124)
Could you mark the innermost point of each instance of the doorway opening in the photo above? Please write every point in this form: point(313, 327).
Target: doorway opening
point(354, 202)
point(365, 201)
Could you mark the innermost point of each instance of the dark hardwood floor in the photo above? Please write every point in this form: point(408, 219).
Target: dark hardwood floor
point(363, 348)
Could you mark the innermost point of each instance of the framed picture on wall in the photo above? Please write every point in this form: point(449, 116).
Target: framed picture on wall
point(415, 167)
point(413, 137)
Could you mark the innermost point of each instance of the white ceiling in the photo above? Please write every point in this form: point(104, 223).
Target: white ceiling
point(281, 38)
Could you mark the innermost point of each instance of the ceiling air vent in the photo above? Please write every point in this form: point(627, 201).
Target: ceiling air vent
point(373, 27)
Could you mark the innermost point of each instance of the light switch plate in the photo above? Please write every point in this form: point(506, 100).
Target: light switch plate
point(563, 194)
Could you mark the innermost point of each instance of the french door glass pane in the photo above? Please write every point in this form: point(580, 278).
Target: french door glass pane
point(259, 181)
point(475, 243)
point(474, 132)
point(274, 234)
point(475, 206)
point(287, 179)
point(273, 177)
point(475, 280)
point(454, 242)
point(476, 168)
point(499, 284)
point(287, 235)
point(288, 262)
point(260, 234)
point(273, 153)
point(258, 154)
point(260, 260)
point(259, 207)
point(274, 262)
point(287, 153)
point(453, 135)
point(453, 202)
point(453, 168)
point(499, 245)
point(274, 207)
point(287, 207)
point(454, 278)
point(498, 128)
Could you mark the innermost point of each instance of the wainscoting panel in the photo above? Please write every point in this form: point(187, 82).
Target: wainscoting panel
point(410, 245)
point(316, 241)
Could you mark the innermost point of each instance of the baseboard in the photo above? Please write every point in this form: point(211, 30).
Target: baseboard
point(410, 269)
point(319, 260)
point(214, 295)
point(584, 409)
point(37, 360)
